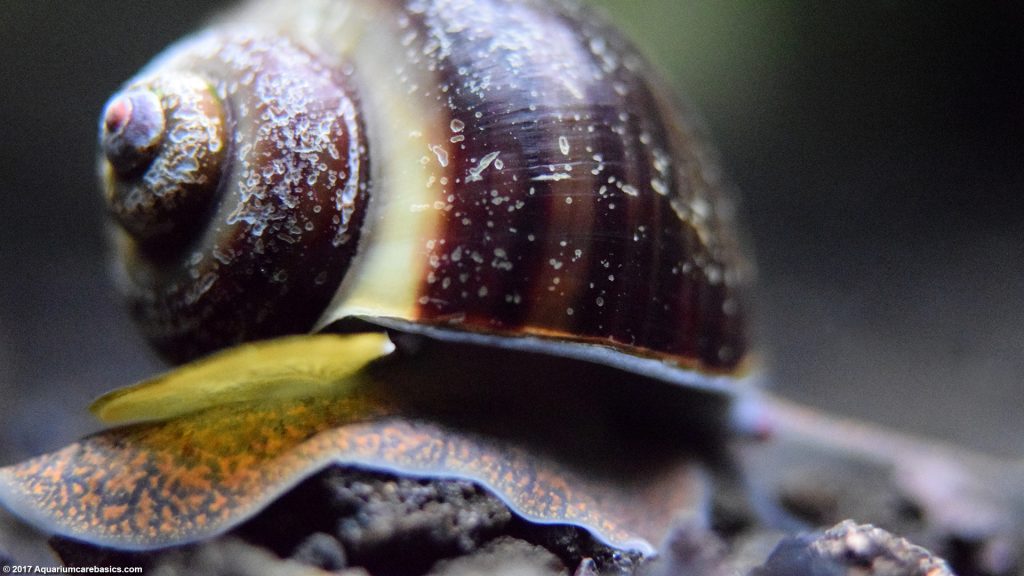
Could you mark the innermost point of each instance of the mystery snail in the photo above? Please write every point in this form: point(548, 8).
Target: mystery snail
point(506, 178)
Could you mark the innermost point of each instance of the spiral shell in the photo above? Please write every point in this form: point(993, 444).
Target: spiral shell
point(502, 172)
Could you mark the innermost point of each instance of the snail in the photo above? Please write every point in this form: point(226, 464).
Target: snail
point(507, 178)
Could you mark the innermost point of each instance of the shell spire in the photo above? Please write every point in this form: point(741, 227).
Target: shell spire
point(235, 168)
point(164, 146)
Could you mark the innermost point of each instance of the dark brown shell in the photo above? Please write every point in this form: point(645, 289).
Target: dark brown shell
point(531, 185)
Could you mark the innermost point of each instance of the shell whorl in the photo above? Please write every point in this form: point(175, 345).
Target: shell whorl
point(236, 169)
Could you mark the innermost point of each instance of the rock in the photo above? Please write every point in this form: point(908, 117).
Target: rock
point(231, 557)
point(372, 517)
point(504, 557)
point(690, 550)
point(849, 549)
point(587, 567)
point(964, 506)
point(321, 550)
point(451, 516)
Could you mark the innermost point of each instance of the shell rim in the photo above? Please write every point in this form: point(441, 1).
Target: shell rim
point(742, 380)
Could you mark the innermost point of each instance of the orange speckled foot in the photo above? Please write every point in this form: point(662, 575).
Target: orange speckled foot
point(175, 481)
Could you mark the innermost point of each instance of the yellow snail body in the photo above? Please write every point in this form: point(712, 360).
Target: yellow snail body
point(506, 176)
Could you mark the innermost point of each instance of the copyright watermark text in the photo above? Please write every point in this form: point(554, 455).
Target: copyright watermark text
point(30, 569)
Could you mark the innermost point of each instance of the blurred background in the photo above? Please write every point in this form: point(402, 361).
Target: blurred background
point(877, 146)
